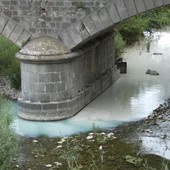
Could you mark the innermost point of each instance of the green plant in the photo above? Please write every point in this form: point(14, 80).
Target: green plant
point(119, 45)
point(71, 154)
point(81, 5)
point(8, 139)
point(132, 29)
point(9, 65)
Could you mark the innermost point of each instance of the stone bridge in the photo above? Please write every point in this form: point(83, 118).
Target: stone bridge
point(21, 19)
point(103, 20)
point(61, 75)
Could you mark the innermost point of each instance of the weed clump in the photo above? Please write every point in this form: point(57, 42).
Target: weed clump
point(8, 139)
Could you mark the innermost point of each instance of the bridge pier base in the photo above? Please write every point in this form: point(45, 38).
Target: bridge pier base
point(57, 83)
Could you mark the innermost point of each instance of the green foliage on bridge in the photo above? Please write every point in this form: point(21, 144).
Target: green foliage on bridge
point(9, 65)
point(8, 139)
point(132, 29)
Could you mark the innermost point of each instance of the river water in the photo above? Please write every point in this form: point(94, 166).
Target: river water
point(132, 97)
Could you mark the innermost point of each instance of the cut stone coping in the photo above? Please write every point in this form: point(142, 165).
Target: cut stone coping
point(45, 49)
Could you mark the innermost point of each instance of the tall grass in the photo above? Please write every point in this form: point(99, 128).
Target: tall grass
point(8, 139)
point(9, 65)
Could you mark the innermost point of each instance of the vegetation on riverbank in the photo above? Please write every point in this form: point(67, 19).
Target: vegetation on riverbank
point(131, 30)
point(8, 139)
point(9, 65)
point(96, 150)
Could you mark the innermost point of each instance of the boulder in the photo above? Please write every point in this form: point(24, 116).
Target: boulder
point(152, 72)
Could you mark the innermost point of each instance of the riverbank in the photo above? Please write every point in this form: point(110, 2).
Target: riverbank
point(117, 149)
point(6, 89)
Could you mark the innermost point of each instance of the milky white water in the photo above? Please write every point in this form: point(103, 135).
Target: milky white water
point(132, 97)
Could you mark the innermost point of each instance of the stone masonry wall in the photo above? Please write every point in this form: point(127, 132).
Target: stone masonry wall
point(58, 90)
point(48, 16)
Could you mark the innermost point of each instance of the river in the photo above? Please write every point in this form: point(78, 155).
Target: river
point(132, 97)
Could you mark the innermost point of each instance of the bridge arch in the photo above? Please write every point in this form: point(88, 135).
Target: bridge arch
point(103, 20)
point(13, 30)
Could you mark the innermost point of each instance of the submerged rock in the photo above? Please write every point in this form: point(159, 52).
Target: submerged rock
point(152, 72)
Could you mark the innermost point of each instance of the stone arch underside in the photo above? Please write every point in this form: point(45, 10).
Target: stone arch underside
point(104, 19)
point(13, 31)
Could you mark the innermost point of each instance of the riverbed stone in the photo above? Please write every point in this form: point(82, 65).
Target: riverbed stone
point(152, 72)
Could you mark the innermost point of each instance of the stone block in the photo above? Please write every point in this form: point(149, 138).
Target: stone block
point(121, 9)
point(9, 27)
point(16, 33)
point(111, 8)
point(54, 77)
point(97, 21)
point(49, 106)
point(40, 88)
point(62, 106)
point(105, 17)
point(61, 87)
point(81, 29)
point(66, 39)
point(3, 22)
point(131, 8)
point(158, 3)
point(166, 2)
point(140, 5)
point(50, 88)
point(23, 38)
point(88, 23)
point(43, 98)
point(149, 4)
point(75, 35)
point(44, 78)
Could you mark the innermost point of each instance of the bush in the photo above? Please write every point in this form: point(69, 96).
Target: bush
point(119, 45)
point(9, 65)
point(131, 30)
point(8, 139)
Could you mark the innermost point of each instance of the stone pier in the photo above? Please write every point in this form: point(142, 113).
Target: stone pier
point(57, 83)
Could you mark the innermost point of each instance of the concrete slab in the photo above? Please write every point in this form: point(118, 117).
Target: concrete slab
point(140, 6)
point(111, 8)
point(130, 6)
point(105, 17)
point(121, 9)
